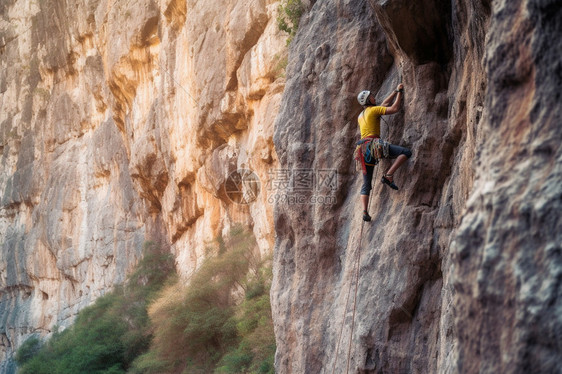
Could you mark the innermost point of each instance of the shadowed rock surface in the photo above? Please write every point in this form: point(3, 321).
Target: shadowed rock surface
point(460, 270)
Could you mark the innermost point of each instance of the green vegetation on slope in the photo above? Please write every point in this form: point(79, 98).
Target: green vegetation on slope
point(107, 336)
point(220, 322)
point(288, 17)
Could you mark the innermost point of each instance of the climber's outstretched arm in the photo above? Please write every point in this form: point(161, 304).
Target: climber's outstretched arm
point(389, 99)
point(396, 105)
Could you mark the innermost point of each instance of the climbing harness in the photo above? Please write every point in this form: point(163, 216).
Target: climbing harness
point(369, 151)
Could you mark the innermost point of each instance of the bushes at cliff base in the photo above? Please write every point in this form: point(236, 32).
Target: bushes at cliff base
point(107, 336)
point(220, 322)
point(217, 322)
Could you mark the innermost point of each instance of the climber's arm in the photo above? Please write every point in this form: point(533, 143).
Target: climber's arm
point(389, 99)
point(396, 105)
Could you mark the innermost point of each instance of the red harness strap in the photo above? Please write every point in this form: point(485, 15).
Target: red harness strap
point(360, 151)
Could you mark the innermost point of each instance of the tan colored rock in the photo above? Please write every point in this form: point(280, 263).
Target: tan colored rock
point(113, 122)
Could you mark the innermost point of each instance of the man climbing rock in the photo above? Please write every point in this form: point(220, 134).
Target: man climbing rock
point(371, 148)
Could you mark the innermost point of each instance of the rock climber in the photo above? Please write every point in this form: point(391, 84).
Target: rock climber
point(371, 148)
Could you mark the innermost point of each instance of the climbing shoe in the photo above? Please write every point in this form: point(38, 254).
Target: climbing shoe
point(366, 216)
point(389, 182)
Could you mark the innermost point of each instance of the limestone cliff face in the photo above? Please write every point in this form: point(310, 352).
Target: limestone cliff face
point(460, 271)
point(119, 123)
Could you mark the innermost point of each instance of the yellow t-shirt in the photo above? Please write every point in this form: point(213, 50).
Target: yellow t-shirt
point(370, 121)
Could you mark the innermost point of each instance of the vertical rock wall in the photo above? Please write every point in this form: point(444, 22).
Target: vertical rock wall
point(119, 123)
point(506, 255)
point(459, 271)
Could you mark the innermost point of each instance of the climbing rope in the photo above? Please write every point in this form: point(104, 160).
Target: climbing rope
point(358, 267)
point(357, 273)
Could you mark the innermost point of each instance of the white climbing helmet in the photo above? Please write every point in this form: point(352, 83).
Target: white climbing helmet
point(363, 96)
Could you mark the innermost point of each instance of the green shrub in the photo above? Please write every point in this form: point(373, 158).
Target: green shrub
point(149, 363)
point(288, 17)
point(220, 322)
point(91, 345)
point(193, 325)
point(255, 351)
point(28, 350)
point(151, 274)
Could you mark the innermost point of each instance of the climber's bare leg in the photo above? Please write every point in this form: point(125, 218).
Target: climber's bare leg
point(397, 163)
point(365, 201)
